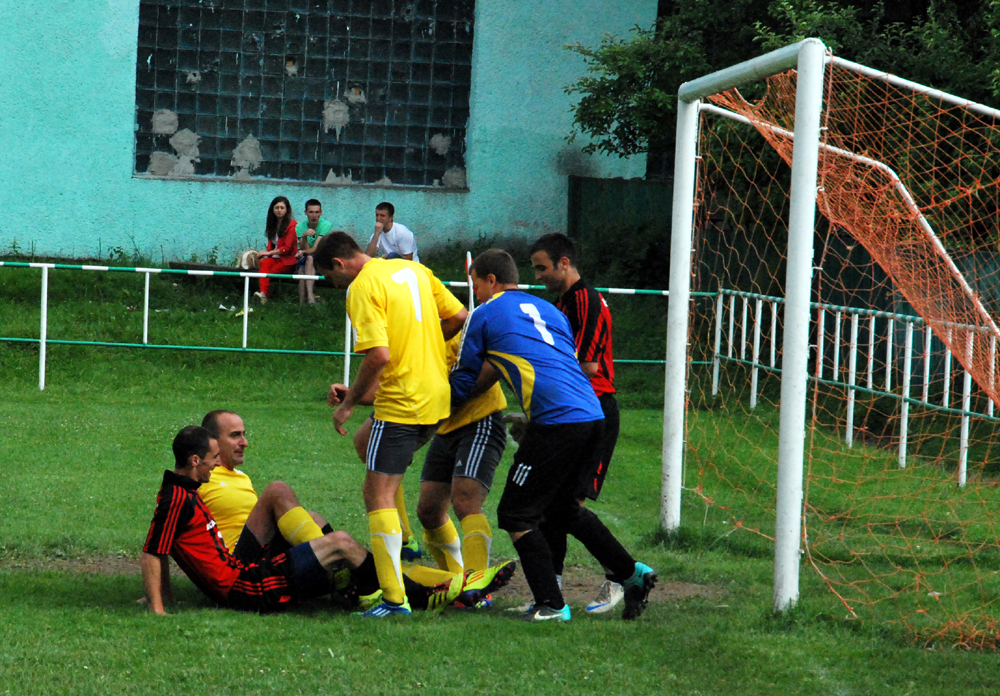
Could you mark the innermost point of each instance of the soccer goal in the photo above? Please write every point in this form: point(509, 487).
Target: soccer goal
point(831, 379)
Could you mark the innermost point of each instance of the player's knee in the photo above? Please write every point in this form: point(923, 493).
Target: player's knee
point(279, 490)
point(431, 512)
point(467, 496)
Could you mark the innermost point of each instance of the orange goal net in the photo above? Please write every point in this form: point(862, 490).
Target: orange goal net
point(901, 514)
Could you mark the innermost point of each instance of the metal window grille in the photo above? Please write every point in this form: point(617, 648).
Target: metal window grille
point(343, 91)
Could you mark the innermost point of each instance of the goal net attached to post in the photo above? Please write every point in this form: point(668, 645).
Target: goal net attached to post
point(831, 379)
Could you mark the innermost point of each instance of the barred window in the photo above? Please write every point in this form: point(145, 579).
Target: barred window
point(341, 91)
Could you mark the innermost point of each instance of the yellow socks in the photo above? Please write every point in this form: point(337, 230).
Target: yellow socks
point(425, 575)
point(298, 527)
point(477, 542)
point(386, 541)
point(444, 546)
point(403, 517)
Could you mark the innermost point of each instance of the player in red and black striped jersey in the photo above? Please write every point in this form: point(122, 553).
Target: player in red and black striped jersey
point(553, 257)
point(253, 577)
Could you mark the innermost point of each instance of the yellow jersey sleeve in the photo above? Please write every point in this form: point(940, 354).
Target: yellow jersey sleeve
point(229, 496)
point(398, 304)
point(474, 409)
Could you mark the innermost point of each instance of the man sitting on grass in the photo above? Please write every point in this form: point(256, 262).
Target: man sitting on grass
point(230, 496)
point(253, 578)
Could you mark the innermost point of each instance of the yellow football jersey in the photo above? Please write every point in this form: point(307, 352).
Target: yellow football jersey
point(473, 409)
point(399, 304)
point(229, 496)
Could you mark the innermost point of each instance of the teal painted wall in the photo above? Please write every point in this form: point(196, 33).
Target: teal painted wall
point(67, 104)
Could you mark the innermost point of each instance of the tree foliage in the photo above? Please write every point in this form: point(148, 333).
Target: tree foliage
point(627, 98)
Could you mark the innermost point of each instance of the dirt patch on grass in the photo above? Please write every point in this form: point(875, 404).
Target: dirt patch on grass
point(92, 565)
point(580, 585)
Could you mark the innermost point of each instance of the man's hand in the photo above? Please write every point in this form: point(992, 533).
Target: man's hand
point(518, 425)
point(340, 416)
point(378, 228)
point(336, 395)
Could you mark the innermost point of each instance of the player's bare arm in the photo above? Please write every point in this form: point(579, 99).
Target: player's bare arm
point(374, 362)
point(452, 325)
point(488, 376)
point(589, 368)
point(154, 577)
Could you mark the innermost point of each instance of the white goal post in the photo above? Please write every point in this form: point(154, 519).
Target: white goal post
point(809, 58)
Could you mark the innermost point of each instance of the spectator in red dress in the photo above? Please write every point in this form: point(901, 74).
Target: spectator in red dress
point(282, 244)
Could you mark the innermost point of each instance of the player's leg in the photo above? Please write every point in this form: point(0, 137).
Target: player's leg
point(535, 476)
point(310, 284)
point(278, 511)
point(564, 509)
point(611, 592)
point(389, 453)
point(478, 456)
point(440, 535)
point(362, 440)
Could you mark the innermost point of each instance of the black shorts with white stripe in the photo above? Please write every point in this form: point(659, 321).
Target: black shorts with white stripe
point(545, 478)
point(391, 445)
point(472, 451)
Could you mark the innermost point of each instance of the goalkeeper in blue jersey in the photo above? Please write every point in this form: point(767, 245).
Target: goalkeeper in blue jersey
point(529, 343)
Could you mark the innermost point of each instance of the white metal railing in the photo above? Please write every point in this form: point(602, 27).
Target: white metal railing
point(44, 339)
point(822, 355)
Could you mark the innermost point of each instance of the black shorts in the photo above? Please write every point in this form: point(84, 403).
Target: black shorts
point(249, 550)
point(548, 470)
point(275, 581)
point(590, 486)
point(472, 451)
point(391, 445)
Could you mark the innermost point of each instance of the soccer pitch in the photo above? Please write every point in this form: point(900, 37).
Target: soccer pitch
point(82, 462)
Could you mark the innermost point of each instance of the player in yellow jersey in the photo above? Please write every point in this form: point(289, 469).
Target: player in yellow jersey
point(402, 315)
point(458, 471)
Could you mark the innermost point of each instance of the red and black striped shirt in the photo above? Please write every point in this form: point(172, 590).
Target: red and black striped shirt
point(590, 320)
point(184, 528)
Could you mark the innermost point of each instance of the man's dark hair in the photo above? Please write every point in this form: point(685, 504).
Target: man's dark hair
point(313, 201)
point(385, 205)
point(556, 245)
point(211, 421)
point(335, 245)
point(192, 439)
point(499, 263)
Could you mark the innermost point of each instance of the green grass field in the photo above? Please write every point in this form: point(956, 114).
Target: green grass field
point(82, 462)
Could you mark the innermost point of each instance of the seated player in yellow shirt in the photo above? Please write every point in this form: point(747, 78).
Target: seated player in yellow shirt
point(230, 496)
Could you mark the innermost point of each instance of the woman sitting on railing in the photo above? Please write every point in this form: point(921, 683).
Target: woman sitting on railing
point(281, 244)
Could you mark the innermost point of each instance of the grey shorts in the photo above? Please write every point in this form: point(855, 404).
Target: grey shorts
point(472, 451)
point(391, 445)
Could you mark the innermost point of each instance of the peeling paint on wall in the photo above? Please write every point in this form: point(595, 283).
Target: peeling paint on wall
point(454, 178)
point(164, 121)
point(356, 95)
point(247, 157)
point(441, 143)
point(185, 142)
point(384, 181)
point(335, 115)
point(161, 164)
point(332, 178)
point(291, 69)
point(193, 77)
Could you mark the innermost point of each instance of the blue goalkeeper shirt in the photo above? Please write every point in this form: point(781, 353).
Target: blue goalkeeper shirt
point(529, 341)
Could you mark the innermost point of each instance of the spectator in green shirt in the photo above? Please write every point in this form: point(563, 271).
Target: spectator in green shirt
point(309, 237)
